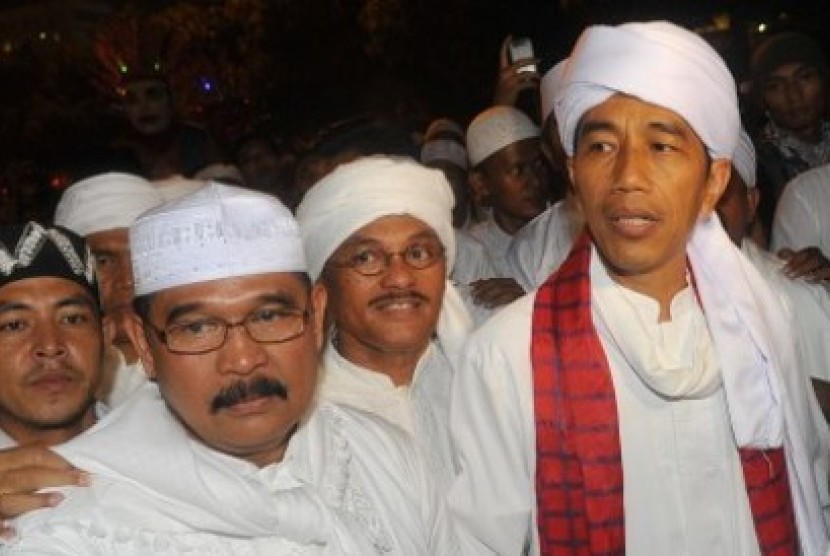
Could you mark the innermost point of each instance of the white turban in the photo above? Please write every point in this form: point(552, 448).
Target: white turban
point(105, 202)
point(550, 84)
point(657, 62)
point(444, 150)
point(360, 192)
point(744, 159)
point(220, 231)
point(496, 128)
point(443, 127)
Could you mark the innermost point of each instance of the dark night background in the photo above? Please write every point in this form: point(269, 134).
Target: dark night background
point(290, 67)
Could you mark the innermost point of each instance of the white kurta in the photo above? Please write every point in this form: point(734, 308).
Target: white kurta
point(684, 490)
point(128, 378)
point(420, 408)
point(541, 246)
point(801, 216)
point(496, 241)
point(472, 263)
point(348, 484)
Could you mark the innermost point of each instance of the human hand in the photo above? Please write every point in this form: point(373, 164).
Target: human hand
point(511, 80)
point(495, 292)
point(808, 263)
point(26, 470)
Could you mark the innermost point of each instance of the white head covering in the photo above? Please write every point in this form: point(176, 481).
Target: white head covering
point(744, 159)
point(550, 84)
point(496, 128)
point(360, 192)
point(220, 231)
point(105, 202)
point(225, 173)
point(659, 63)
point(177, 186)
point(444, 150)
point(443, 127)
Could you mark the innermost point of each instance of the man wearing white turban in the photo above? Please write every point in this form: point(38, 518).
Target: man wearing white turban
point(645, 399)
point(227, 452)
point(378, 234)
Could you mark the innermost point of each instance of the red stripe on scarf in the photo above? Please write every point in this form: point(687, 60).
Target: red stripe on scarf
point(579, 479)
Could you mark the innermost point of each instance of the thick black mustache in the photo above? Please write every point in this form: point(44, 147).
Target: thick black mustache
point(398, 296)
point(240, 391)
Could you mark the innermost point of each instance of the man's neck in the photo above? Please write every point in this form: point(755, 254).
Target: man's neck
point(399, 366)
point(508, 224)
point(661, 285)
point(25, 433)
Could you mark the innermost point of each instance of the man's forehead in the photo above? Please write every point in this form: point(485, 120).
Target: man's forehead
point(620, 107)
point(790, 68)
point(236, 289)
point(396, 224)
point(41, 288)
point(112, 237)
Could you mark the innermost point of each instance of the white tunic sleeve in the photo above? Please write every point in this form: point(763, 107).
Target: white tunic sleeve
point(491, 422)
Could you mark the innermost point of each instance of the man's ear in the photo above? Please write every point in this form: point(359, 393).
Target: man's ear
point(720, 171)
point(135, 330)
point(479, 187)
point(319, 300)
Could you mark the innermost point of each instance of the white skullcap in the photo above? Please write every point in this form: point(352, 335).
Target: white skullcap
point(444, 150)
point(496, 128)
point(657, 62)
point(220, 231)
point(443, 126)
point(360, 192)
point(550, 84)
point(105, 202)
point(744, 159)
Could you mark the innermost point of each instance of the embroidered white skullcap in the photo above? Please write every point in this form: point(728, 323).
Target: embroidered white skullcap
point(496, 128)
point(220, 231)
point(744, 159)
point(360, 192)
point(657, 62)
point(105, 202)
point(550, 84)
point(444, 150)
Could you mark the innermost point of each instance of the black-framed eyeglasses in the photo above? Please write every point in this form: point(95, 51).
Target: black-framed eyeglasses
point(373, 260)
point(266, 325)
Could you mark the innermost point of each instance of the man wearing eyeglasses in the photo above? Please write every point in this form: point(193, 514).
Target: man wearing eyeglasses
point(378, 234)
point(225, 451)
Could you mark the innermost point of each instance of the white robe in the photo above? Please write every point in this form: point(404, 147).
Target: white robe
point(802, 216)
point(496, 241)
point(420, 408)
point(128, 378)
point(348, 484)
point(541, 245)
point(684, 486)
point(472, 263)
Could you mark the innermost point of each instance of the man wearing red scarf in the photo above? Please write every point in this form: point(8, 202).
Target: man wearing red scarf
point(645, 399)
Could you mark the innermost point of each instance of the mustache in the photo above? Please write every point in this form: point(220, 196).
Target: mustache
point(240, 391)
point(400, 296)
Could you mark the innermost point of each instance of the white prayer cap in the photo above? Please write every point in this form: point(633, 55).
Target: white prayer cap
point(657, 62)
point(444, 150)
point(496, 128)
point(550, 84)
point(443, 127)
point(360, 192)
point(744, 159)
point(105, 202)
point(220, 231)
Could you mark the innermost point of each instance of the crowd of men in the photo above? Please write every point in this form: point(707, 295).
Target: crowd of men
point(522, 338)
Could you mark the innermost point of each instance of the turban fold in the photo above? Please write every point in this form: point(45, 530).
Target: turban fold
point(35, 251)
point(550, 84)
point(744, 159)
point(105, 202)
point(496, 128)
point(220, 231)
point(659, 63)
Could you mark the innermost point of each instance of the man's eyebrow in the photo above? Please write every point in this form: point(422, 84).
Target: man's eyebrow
point(280, 298)
point(180, 310)
point(669, 128)
point(76, 301)
point(8, 306)
point(591, 126)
